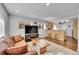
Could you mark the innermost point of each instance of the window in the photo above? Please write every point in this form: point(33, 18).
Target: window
point(2, 28)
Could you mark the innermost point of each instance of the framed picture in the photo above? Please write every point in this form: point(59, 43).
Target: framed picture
point(21, 24)
point(39, 26)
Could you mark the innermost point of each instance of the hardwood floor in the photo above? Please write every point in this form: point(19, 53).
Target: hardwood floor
point(69, 43)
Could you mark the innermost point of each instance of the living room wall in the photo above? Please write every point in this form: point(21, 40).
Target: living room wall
point(13, 25)
point(4, 16)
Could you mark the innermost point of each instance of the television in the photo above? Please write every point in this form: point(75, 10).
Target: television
point(31, 29)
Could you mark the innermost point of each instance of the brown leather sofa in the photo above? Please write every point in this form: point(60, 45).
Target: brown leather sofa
point(8, 42)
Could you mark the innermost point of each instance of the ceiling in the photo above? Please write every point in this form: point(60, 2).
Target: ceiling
point(41, 10)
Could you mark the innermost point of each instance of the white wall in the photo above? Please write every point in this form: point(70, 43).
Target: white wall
point(13, 25)
point(3, 16)
point(69, 29)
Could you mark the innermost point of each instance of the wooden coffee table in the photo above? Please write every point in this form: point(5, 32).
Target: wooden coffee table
point(39, 45)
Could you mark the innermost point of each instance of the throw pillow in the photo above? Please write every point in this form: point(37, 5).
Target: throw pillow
point(17, 38)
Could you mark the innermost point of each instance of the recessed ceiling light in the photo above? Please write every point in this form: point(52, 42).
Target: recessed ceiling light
point(47, 4)
point(17, 11)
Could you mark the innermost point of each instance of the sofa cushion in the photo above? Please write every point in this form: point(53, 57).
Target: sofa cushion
point(9, 41)
point(3, 46)
point(17, 38)
point(16, 50)
point(6, 42)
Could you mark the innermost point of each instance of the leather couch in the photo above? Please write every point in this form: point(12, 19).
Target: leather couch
point(8, 41)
